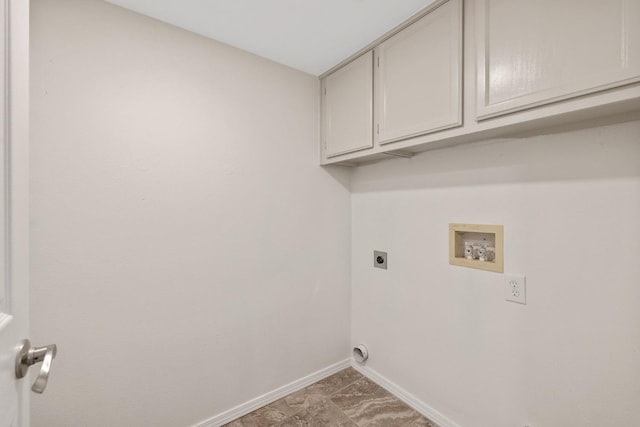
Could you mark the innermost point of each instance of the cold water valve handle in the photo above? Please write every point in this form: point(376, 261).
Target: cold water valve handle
point(28, 356)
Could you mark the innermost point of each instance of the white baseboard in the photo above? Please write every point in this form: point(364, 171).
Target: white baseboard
point(405, 396)
point(250, 406)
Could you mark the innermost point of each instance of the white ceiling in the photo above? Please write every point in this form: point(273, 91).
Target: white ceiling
point(310, 35)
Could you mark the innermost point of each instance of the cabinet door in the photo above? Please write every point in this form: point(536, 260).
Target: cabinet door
point(347, 104)
point(533, 52)
point(418, 76)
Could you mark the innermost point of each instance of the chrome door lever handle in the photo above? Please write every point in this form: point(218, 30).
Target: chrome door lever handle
point(28, 356)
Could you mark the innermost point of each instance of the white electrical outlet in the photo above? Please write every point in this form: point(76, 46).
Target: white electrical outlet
point(515, 288)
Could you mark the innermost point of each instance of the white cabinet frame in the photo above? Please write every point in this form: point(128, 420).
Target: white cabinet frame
point(434, 46)
point(347, 115)
point(532, 62)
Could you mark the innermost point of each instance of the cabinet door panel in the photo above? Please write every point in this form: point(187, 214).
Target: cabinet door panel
point(347, 107)
point(533, 52)
point(418, 76)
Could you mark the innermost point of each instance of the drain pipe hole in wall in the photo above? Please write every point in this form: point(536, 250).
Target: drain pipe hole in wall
point(360, 354)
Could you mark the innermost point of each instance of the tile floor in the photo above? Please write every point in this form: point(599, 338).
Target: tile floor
point(345, 399)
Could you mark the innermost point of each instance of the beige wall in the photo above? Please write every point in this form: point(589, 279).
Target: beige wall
point(570, 205)
point(188, 254)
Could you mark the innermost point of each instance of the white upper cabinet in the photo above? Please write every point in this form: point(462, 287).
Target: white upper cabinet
point(347, 107)
point(418, 76)
point(534, 52)
point(528, 64)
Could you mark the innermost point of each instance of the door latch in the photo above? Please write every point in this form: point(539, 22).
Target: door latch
point(28, 356)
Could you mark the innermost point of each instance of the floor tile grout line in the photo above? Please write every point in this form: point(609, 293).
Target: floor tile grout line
point(407, 424)
point(331, 402)
point(339, 390)
point(371, 382)
point(293, 415)
point(419, 416)
point(413, 421)
point(327, 396)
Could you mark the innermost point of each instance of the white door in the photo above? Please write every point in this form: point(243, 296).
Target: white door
point(14, 215)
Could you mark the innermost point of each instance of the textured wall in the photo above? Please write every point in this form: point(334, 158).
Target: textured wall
point(187, 250)
point(186, 246)
point(570, 204)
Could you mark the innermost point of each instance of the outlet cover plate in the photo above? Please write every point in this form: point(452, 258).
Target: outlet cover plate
point(380, 259)
point(515, 288)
